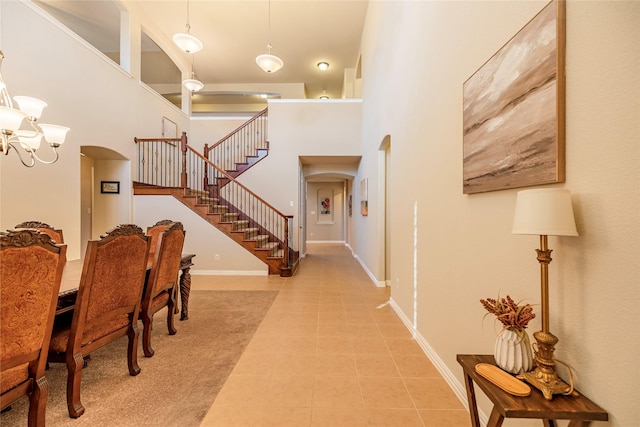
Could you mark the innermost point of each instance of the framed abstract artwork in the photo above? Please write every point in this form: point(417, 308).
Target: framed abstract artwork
point(364, 197)
point(514, 110)
point(325, 206)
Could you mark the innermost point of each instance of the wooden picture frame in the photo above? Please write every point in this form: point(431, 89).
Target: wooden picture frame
point(364, 197)
point(110, 187)
point(514, 110)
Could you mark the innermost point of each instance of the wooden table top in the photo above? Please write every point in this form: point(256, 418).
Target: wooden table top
point(532, 406)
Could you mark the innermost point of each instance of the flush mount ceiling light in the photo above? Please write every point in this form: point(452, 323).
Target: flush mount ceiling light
point(193, 84)
point(11, 136)
point(186, 41)
point(323, 66)
point(269, 63)
point(324, 95)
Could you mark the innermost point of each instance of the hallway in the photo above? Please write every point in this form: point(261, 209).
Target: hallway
point(330, 353)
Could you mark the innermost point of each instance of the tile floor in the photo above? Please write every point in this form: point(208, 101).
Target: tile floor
point(330, 353)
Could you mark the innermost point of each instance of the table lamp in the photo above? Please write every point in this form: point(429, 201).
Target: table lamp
point(545, 212)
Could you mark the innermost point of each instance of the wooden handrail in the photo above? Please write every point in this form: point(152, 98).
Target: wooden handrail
point(236, 182)
point(189, 156)
point(227, 136)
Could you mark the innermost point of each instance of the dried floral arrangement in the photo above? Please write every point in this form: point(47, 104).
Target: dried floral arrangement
point(508, 312)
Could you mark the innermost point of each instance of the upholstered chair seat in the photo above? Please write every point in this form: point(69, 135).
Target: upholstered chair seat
point(14, 376)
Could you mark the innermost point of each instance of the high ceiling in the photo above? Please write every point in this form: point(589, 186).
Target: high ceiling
point(303, 33)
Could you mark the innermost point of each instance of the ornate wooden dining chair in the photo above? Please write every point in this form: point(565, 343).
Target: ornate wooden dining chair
point(107, 306)
point(30, 273)
point(55, 234)
point(162, 283)
point(154, 232)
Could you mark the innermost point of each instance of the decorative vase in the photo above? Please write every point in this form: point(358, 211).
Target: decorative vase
point(513, 351)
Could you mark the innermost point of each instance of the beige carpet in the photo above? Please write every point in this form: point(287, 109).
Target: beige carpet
point(178, 385)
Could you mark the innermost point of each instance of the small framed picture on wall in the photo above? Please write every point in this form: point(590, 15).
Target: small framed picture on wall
point(110, 187)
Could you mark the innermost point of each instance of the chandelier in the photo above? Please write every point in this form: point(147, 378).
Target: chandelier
point(269, 63)
point(11, 119)
point(185, 41)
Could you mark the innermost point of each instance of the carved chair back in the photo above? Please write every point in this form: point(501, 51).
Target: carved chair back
point(31, 268)
point(55, 234)
point(154, 232)
point(107, 305)
point(162, 283)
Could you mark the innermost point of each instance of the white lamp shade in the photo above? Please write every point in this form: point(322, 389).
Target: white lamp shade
point(269, 63)
point(30, 142)
point(10, 118)
point(54, 134)
point(544, 211)
point(32, 107)
point(187, 42)
point(193, 85)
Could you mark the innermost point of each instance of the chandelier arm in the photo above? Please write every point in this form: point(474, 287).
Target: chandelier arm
point(11, 145)
point(33, 155)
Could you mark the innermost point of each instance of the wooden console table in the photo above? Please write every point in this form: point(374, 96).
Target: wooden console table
point(73, 270)
point(580, 410)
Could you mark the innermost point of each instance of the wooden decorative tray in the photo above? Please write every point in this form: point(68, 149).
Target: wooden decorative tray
point(503, 379)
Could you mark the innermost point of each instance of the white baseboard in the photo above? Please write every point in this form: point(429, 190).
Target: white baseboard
point(458, 388)
point(325, 241)
point(374, 279)
point(229, 272)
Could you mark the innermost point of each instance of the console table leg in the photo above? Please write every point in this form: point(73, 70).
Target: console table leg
point(185, 290)
point(471, 396)
point(495, 419)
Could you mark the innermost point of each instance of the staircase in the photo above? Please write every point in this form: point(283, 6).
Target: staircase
point(241, 149)
point(212, 192)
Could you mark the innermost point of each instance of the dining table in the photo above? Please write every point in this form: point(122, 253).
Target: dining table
point(73, 272)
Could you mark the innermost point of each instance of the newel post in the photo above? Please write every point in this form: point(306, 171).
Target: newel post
point(183, 148)
point(286, 241)
point(205, 175)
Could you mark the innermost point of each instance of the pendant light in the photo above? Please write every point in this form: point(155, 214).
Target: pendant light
point(269, 63)
point(193, 84)
point(186, 41)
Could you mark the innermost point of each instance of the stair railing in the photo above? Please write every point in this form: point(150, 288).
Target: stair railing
point(171, 162)
point(238, 145)
point(159, 161)
point(242, 203)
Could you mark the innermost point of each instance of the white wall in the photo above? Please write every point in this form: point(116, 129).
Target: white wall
point(330, 227)
point(103, 105)
point(415, 58)
point(302, 128)
point(201, 238)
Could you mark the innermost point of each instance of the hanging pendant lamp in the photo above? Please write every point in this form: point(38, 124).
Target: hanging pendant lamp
point(193, 84)
point(186, 41)
point(268, 62)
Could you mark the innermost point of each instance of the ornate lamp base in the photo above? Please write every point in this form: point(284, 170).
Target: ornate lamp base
point(544, 376)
